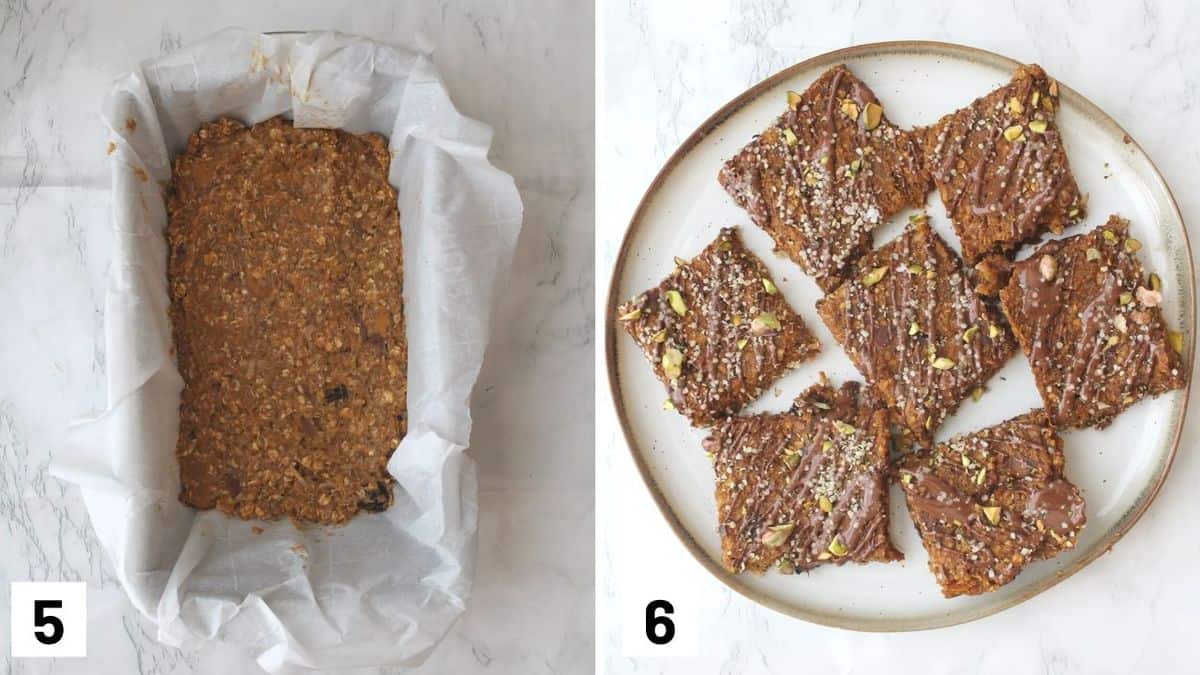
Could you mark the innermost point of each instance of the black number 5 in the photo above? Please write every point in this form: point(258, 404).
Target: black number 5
point(654, 622)
point(40, 620)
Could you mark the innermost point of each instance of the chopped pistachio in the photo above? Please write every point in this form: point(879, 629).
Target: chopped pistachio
point(1113, 340)
point(914, 328)
point(741, 343)
point(874, 276)
point(769, 286)
point(810, 178)
point(1048, 266)
point(966, 462)
point(672, 363)
point(824, 504)
point(680, 262)
point(793, 99)
point(1015, 106)
point(1176, 340)
point(836, 546)
point(855, 167)
point(786, 566)
point(907, 478)
point(668, 404)
point(823, 555)
point(917, 218)
point(675, 298)
point(632, 316)
point(1033, 100)
point(943, 363)
point(1155, 282)
point(763, 323)
point(980, 476)
point(844, 428)
point(1014, 133)
point(827, 446)
point(1132, 244)
point(1037, 126)
point(914, 268)
point(791, 459)
point(660, 336)
point(1093, 254)
point(993, 514)
point(970, 333)
point(777, 535)
point(737, 319)
point(850, 109)
point(872, 114)
point(1074, 212)
point(976, 394)
point(790, 137)
point(994, 331)
point(1125, 298)
point(928, 422)
point(1110, 237)
point(1053, 88)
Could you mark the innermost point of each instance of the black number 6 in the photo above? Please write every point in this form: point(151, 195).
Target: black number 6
point(654, 622)
point(40, 620)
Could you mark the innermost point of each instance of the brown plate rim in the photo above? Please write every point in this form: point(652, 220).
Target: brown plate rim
point(709, 125)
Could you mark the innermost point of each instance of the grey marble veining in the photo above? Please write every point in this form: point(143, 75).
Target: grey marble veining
point(525, 68)
point(666, 67)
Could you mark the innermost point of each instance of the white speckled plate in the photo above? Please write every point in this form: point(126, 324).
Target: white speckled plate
point(1119, 469)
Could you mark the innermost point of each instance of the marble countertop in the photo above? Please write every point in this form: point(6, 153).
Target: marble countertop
point(1133, 609)
point(531, 608)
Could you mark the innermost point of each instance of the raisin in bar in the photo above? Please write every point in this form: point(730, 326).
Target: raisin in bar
point(910, 322)
point(1090, 323)
point(807, 487)
point(285, 279)
point(987, 503)
point(717, 331)
point(1001, 167)
point(827, 172)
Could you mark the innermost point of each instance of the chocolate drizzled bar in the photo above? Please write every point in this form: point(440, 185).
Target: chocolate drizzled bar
point(804, 488)
point(1090, 322)
point(910, 322)
point(1001, 167)
point(826, 173)
point(990, 502)
point(717, 331)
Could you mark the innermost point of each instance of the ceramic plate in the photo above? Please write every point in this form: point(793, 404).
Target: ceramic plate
point(1119, 469)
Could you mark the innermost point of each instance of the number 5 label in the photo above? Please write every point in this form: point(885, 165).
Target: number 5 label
point(49, 618)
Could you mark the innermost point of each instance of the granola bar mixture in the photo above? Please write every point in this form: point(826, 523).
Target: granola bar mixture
point(285, 278)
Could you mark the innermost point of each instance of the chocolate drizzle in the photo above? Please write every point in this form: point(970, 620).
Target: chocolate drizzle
point(809, 474)
point(1094, 347)
point(726, 363)
point(987, 503)
point(818, 181)
point(921, 310)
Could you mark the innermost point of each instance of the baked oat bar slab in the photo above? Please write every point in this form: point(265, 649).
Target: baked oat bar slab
point(285, 276)
point(804, 488)
point(912, 325)
point(988, 503)
point(827, 172)
point(717, 331)
point(1001, 167)
point(1090, 322)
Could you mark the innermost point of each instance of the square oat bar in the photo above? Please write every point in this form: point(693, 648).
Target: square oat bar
point(1090, 323)
point(1001, 167)
point(912, 325)
point(826, 173)
point(804, 488)
point(717, 331)
point(989, 502)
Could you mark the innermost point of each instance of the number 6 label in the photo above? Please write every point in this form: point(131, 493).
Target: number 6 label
point(49, 618)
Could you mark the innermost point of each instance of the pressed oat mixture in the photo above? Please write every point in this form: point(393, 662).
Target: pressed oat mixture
point(285, 281)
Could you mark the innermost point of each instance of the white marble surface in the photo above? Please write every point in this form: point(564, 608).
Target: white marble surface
point(531, 610)
point(666, 67)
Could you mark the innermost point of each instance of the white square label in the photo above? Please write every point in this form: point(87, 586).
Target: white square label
point(49, 618)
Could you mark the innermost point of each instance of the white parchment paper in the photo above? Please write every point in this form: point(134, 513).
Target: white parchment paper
point(385, 588)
